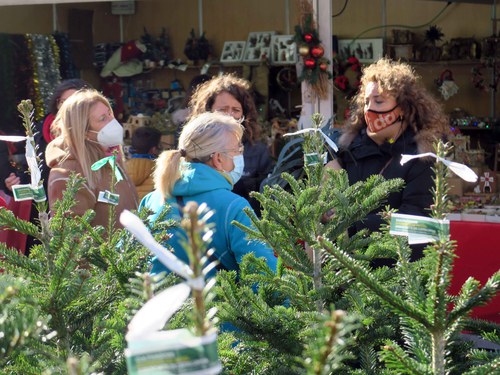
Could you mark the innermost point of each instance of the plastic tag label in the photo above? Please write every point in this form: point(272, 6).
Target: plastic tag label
point(108, 197)
point(27, 192)
point(419, 229)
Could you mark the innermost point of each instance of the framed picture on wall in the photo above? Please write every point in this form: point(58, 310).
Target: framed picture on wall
point(258, 46)
point(365, 50)
point(232, 51)
point(283, 50)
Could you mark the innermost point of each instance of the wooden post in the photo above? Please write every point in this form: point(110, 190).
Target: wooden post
point(310, 105)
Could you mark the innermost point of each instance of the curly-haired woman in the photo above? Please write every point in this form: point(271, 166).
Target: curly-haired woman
point(392, 114)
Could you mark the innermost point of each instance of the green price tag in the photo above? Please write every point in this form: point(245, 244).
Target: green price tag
point(173, 353)
point(419, 229)
point(26, 192)
point(108, 197)
point(312, 159)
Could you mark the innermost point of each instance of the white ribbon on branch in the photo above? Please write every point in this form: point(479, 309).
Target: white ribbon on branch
point(30, 156)
point(309, 130)
point(460, 170)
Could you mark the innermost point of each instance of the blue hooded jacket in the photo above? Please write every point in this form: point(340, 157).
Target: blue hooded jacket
point(203, 184)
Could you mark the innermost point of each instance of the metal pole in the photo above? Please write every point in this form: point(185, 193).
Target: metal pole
point(200, 17)
point(54, 18)
point(121, 28)
point(287, 17)
point(493, 96)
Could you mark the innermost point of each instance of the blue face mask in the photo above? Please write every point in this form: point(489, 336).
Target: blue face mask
point(237, 172)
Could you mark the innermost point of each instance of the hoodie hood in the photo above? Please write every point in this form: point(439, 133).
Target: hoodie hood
point(198, 178)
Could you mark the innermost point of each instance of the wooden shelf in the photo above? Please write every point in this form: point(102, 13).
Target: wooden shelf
point(446, 62)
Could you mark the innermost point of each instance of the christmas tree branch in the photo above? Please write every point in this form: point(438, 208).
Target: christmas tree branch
point(367, 279)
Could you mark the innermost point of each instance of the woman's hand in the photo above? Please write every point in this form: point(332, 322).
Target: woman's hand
point(12, 180)
point(334, 164)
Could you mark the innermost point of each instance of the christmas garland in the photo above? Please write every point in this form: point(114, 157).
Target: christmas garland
point(67, 67)
point(44, 55)
point(315, 72)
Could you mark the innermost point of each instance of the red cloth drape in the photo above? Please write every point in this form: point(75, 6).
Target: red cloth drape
point(478, 255)
point(12, 238)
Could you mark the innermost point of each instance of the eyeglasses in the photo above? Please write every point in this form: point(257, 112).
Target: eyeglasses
point(235, 112)
point(239, 150)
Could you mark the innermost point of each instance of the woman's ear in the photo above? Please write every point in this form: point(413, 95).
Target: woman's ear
point(216, 161)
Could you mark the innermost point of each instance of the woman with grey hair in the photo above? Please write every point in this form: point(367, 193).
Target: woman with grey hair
point(204, 168)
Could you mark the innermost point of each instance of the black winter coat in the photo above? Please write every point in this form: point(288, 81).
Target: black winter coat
point(364, 158)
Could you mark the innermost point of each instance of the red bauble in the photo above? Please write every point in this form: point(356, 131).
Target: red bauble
point(317, 51)
point(323, 67)
point(309, 63)
point(308, 38)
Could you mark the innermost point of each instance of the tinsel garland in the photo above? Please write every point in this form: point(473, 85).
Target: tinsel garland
point(67, 68)
point(45, 71)
point(55, 51)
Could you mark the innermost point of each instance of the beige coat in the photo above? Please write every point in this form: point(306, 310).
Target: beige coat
point(140, 172)
point(86, 198)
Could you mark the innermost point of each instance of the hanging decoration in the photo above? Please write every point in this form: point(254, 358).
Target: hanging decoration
point(315, 72)
point(44, 55)
point(197, 48)
point(479, 81)
point(446, 85)
point(342, 70)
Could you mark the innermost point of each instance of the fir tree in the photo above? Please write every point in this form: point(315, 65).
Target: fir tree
point(404, 325)
point(66, 307)
point(79, 276)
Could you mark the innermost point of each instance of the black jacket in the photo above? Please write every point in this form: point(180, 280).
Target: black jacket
point(363, 158)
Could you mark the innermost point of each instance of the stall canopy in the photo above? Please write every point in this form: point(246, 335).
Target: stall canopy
point(34, 2)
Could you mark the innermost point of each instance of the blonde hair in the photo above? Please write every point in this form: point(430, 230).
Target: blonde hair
point(201, 137)
point(73, 120)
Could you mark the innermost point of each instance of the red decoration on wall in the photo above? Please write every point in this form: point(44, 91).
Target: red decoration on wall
point(308, 38)
point(317, 51)
point(309, 63)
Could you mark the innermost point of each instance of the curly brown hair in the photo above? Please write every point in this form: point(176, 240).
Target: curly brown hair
point(204, 97)
point(422, 112)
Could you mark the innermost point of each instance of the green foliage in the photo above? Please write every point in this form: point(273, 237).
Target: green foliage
point(81, 279)
point(22, 323)
point(401, 320)
point(327, 310)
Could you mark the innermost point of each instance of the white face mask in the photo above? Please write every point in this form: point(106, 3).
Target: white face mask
point(239, 166)
point(110, 135)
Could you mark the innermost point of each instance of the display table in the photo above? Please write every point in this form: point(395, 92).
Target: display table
point(478, 255)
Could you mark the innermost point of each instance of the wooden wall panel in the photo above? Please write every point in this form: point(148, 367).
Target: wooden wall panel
point(234, 19)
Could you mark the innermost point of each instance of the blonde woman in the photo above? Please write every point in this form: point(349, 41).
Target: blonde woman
point(208, 162)
point(89, 133)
